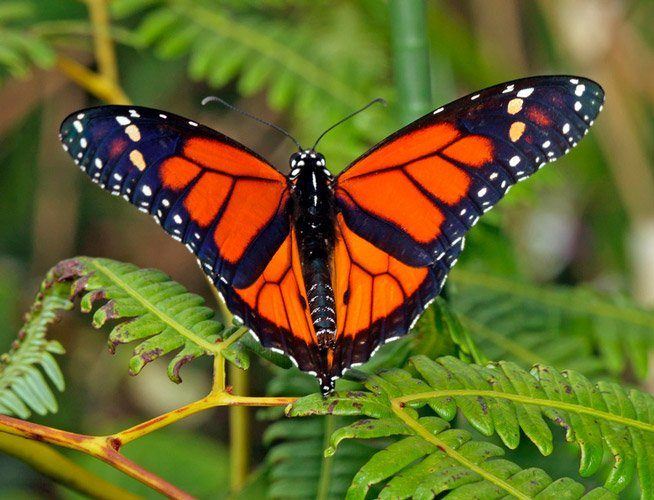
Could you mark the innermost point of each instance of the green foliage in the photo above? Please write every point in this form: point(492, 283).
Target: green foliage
point(299, 468)
point(276, 52)
point(28, 366)
point(558, 326)
point(20, 49)
point(506, 400)
point(161, 315)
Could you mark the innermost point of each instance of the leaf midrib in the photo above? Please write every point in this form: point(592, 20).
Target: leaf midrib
point(548, 403)
point(168, 320)
point(423, 432)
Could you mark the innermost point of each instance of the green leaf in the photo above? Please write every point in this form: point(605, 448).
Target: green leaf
point(21, 48)
point(558, 326)
point(28, 368)
point(160, 314)
point(602, 419)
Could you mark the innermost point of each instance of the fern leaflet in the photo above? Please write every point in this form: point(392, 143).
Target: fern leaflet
point(553, 325)
point(506, 400)
point(23, 387)
point(161, 315)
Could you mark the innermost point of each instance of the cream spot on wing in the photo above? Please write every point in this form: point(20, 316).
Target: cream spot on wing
point(137, 159)
point(133, 132)
point(516, 131)
point(514, 106)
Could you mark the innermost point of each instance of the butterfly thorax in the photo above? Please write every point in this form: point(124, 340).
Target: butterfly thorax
point(313, 219)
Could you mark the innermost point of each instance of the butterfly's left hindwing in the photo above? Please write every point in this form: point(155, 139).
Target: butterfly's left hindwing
point(224, 202)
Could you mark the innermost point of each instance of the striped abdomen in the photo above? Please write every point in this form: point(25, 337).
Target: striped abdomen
point(314, 225)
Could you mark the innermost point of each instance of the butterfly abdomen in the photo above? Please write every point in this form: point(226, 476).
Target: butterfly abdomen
point(314, 224)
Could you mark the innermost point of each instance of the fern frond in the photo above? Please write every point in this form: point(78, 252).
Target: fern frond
point(20, 49)
point(298, 466)
point(160, 314)
point(506, 400)
point(275, 51)
point(29, 365)
point(563, 327)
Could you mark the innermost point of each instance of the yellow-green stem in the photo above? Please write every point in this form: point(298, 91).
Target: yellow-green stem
point(327, 461)
point(239, 431)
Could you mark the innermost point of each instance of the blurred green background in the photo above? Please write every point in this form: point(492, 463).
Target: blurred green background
point(303, 64)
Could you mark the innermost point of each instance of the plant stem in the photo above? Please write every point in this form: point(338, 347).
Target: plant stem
point(104, 47)
point(410, 57)
point(326, 462)
point(106, 447)
point(93, 83)
point(239, 432)
point(61, 469)
point(95, 446)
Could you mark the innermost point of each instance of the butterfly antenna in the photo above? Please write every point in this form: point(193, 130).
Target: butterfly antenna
point(374, 101)
point(213, 98)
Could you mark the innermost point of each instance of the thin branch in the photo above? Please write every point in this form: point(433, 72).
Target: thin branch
point(93, 83)
point(57, 467)
point(106, 448)
point(239, 431)
point(105, 54)
point(91, 445)
point(327, 462)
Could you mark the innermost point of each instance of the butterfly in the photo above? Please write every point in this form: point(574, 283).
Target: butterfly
point(324, 268)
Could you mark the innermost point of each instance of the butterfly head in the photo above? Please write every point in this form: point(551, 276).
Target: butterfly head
point(306, 160)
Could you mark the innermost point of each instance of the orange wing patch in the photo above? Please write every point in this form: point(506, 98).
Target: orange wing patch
point(473, 150)
point(278, 295)
point(207, 197)
point(224, 158)
point(369, 283)
point(442, 179)
point(404, 149)
point(405, 188)
point(222, 181)
point(392, 194)
point(176, 173)
point(251, 205)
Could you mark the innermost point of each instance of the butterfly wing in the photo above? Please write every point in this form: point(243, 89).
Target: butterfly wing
point(275, 307)
point(406, 205)
point(223, 201)
point(228, 205)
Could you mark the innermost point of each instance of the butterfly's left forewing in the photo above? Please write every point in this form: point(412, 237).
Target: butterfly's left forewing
point(410, 200)
point(224, 202)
